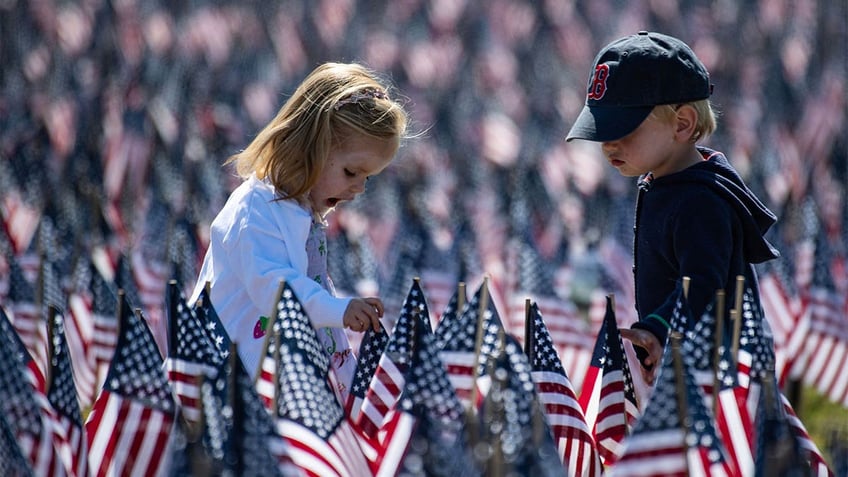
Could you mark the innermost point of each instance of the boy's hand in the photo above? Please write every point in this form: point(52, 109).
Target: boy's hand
point(652, 351)
point(362, 313)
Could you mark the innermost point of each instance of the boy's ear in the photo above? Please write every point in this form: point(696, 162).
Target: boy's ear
point(686, 122)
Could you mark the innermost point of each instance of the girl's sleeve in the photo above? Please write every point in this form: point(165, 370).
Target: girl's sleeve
point(267, 252)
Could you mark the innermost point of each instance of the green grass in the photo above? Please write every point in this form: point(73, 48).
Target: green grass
point(824, 420)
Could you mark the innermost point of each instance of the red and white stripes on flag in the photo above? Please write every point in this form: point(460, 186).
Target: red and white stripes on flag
point(338, 455)
point(827, 344)
point(572, 436)
point(126, 437)
point(20, 220)
point(70, 444)
point(818, 466)
point(151, 279)
point(789, 323)
point(26, 317)
point(608, 397)
point(439, 287)
point(80, 334)
point(381, 397)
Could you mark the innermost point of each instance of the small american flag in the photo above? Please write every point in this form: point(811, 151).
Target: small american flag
point(827, 341)
point(733, 423)
point(79, 326)
point(425, 433)
point(370, 351)
point(22, 305)
point(565, 417)
point(780, 448)
point(307, 413)
point(511, 420)
point(104, 308)
point(192, 357)
point(23, 403)
point(236, 435)
point(385, 386)
point(129, 427)
point(68, 432)
point(608, 397)
point(668, 440)
point(783, 309)
point(459, 342)
point(756, 370)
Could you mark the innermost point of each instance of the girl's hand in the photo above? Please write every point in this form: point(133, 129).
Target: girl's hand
point(651, 345)
point(362, 313)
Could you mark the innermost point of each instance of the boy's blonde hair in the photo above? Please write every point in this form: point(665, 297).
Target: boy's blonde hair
point(334, 101)
point(706, 124)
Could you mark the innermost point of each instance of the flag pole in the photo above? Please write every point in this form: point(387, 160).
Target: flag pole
point(529, 329)
point(267, 339)
point(495, 469)
point(611, 297)
point(51, 331)
point(676, 338)
point(460, 298)
point(686, 281)
point(717, 341)
point(98, 382)
point(235, 399)
point(737, 319)
point(478, 343)
point(172, 319)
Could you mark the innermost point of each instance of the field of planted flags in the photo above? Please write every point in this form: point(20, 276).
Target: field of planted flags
point(447, 392)
point(502, 255)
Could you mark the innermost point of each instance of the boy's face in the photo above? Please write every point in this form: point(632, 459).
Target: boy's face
point(348, 167)
point(651, 147)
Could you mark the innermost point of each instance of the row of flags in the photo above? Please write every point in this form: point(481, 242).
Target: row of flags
point(457, 395)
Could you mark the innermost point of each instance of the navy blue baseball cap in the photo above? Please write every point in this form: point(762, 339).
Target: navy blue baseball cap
point(632, 75)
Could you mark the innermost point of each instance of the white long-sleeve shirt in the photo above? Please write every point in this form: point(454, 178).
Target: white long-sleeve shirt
point(256, 241)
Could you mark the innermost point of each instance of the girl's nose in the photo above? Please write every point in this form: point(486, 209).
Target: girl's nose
point(359, 187)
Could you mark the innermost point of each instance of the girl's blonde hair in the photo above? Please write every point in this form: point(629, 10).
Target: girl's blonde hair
point(334, 101)
point(706, 117)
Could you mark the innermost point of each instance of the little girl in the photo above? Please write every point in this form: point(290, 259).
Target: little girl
point(337, 130)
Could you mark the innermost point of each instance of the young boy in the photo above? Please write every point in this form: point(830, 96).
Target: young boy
point(648, 105)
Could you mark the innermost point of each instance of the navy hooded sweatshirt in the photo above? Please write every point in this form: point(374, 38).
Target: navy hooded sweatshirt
point(703, 223)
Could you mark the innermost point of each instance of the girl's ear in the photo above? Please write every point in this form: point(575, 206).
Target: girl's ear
point(686, 121)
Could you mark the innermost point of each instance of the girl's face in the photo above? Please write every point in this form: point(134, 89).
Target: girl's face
point(661, 144)
point(348, 167)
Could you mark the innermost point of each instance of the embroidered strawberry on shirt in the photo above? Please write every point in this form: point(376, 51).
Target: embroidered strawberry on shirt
point(260, 327)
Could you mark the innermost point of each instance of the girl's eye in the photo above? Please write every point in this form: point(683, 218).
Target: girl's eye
point(349, 173)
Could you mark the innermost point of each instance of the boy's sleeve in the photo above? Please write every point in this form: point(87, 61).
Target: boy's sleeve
point(703, 241)
point(657, 323)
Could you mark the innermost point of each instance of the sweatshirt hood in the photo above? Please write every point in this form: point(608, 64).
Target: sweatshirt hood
point(756, 218)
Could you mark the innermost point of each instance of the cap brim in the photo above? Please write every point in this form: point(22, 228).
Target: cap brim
point(607, 123)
